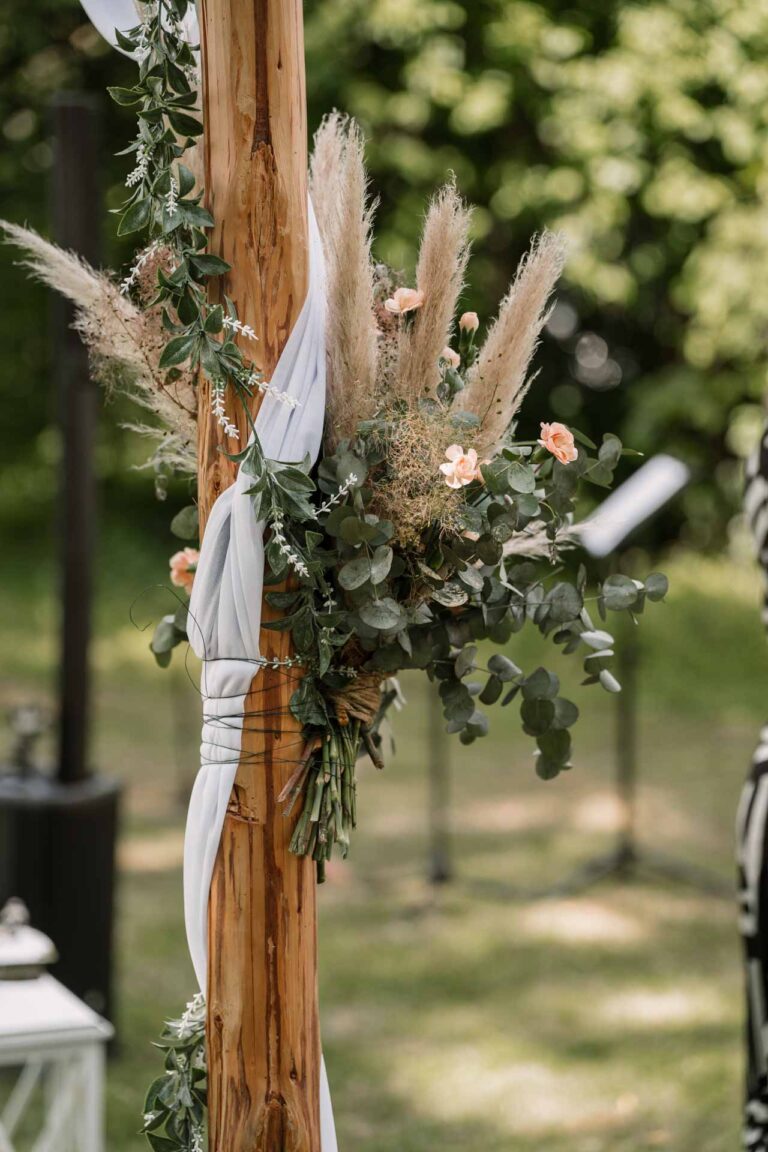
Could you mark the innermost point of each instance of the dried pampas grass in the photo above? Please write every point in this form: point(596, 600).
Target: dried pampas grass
point(440, 276)
point(339, 189)
point(124, 343)
point(498, 382)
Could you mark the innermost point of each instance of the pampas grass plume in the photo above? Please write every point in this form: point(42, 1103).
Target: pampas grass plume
point(499, 381)
point(440, 276)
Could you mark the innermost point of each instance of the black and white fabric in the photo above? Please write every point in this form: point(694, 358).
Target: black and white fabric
point(752, 855)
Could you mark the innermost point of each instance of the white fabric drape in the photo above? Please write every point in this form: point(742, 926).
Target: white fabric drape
point(107, 15)
point(225, 607)
point(225, 611)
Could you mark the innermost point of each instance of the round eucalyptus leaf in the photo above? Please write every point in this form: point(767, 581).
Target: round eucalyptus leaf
point(185, 523)
point(492, 691)
point(609, 681)
point(537, 716)
point(451, 595)
point(465, 661)
point(355, 531)
point(564, 603)
point(381, 563)
point(541, 685)
point(597, 639)
point(619, 593)
point(381, 614)
point(555, 745)
point(503, 667)
point(656, 586)
point(547, 769)
point(355, 573)
point(566, 713)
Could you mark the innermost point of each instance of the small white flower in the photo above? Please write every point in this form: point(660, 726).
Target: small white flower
point(171, 199)
point(290, 554)
point(138, 264)
point(232, 324)
point(220, 413)
point(257, 381)
point(338, 496)
point(143, 156)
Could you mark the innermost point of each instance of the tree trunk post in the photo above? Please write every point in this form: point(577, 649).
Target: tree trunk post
point(263, 1030)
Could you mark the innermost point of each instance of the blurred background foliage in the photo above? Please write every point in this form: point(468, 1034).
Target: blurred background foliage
point(639, 129)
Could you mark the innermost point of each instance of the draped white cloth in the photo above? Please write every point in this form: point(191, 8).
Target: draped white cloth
point(225, 607)
point(225, 611)
point(124, 14)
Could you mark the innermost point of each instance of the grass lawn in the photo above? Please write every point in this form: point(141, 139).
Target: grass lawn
point(469, 1018)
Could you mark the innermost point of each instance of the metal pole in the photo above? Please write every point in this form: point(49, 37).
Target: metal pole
point(76, 212)
point(626, 750)
point(441, 869)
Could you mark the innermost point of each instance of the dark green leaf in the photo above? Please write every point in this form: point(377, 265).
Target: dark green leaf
point(178, 350)
point(136, 218)
point(209, 265)
point(492, 691)
point(537, 716)
point(125, 96)
point(541, 685)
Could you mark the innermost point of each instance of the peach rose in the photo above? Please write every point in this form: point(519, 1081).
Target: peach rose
point(451, 357)
point(183, 567)
point(558, 440)
point(461, 468)
point(404, 300)
point(469, 322)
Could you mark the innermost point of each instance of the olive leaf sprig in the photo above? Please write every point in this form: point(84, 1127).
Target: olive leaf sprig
point(176, 1102)
point(166, 205)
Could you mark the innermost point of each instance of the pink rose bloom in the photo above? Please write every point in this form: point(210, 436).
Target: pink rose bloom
point(469, 322)
point(451, 357)
point(558, 440)
point(404, 300)
point(461, 468)
point(183, 567)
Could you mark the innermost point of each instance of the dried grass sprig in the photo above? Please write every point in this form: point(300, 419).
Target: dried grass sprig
point(440, 276)
point(124, 342)
point(535, 543)
point(414, 493)
point(339, 188)
point(498, 382)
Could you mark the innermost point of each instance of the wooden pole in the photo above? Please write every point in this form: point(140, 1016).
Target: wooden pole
point(263, 1031)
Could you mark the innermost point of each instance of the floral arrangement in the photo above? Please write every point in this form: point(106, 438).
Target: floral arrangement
point(430, 527)
point(176, 1102)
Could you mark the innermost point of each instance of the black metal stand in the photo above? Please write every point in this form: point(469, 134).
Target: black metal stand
point(441, 869)
point(57, 834)
point(627, 860)
point(57, 854)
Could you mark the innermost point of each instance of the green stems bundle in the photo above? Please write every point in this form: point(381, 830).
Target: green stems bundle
point(330, 796)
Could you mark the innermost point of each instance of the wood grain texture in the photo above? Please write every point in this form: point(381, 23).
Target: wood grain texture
point(263, 1031)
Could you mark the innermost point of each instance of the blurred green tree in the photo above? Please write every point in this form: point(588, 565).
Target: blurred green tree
point(637, 128)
